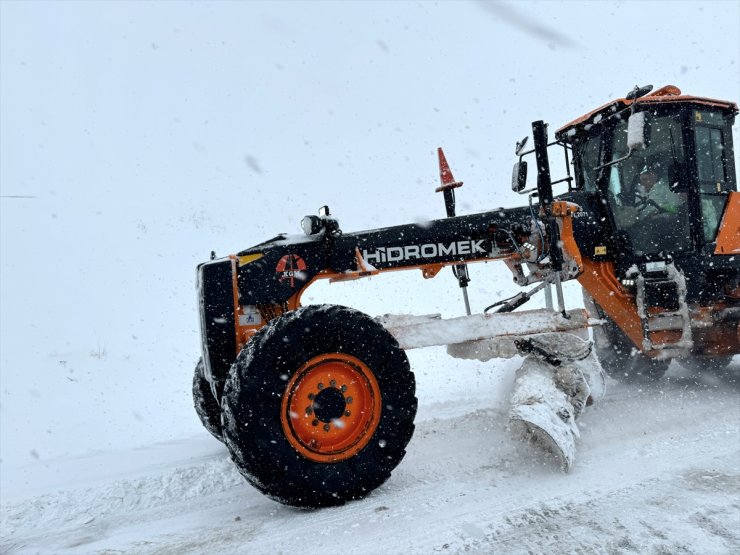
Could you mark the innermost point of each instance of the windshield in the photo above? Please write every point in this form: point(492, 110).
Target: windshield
point(652, 216)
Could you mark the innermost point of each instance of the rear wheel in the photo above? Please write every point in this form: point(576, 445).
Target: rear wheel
point(205, 403)
point(718, 365)
point(617, 354)
point(319, 407)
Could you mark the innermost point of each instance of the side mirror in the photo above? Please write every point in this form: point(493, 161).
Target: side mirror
point(637, 138)
point(519, 176)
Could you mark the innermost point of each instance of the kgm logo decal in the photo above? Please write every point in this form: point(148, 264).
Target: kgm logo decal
point(291, 267)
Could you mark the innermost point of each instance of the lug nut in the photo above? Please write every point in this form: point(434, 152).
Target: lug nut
point(320, 386)
point(348, 400)
point(311, 396)
point(343, 388)
point(327, 427)
point(309, 411)
point(347, 413)
point(315, 423)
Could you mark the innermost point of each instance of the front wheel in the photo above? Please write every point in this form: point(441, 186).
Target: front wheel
point(319, 407)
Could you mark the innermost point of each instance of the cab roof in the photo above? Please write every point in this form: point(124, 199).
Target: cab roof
point(664, 95)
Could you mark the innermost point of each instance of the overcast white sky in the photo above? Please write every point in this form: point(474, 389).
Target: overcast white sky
point(150, 133)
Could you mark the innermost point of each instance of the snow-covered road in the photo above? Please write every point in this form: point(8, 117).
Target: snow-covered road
point(657, 471)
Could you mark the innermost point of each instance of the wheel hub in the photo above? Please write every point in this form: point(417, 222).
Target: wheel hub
point(329, 404)
point(331, 408)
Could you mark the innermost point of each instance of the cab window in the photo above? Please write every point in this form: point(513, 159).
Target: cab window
point(711, 162)
point(590, 156)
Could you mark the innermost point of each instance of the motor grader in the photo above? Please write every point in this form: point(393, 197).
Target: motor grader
point(316, 403)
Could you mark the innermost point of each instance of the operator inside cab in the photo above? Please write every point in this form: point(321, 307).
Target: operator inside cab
point(652, 191)
point(647, 209)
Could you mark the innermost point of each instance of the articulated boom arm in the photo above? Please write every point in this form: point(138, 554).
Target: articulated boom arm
point(275, 274)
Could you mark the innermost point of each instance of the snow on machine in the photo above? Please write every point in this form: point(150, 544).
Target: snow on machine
point(316, 403)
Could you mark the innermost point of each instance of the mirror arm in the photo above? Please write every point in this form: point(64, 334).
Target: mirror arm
point(568, 179)
point(615, 161)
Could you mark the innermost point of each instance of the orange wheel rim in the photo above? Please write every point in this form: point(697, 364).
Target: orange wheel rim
point(331, 408)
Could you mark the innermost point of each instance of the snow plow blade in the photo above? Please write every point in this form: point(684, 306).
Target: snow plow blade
point(558, 378)
point(537, 425)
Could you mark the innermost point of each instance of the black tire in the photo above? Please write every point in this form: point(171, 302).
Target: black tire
point(717, 365)
point(618, 356)
point(269, 407)
point(205, 404)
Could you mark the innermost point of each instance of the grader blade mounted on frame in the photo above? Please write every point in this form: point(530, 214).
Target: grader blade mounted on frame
point(316, 403)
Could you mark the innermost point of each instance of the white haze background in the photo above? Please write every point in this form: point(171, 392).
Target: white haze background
point(149, 134)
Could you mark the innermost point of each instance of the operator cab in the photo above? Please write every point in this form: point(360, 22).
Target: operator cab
point(663, 165)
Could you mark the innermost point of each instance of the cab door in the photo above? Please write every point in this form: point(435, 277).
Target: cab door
point(715, 171)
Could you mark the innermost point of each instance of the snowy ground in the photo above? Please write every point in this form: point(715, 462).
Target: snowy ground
point(657, 471)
